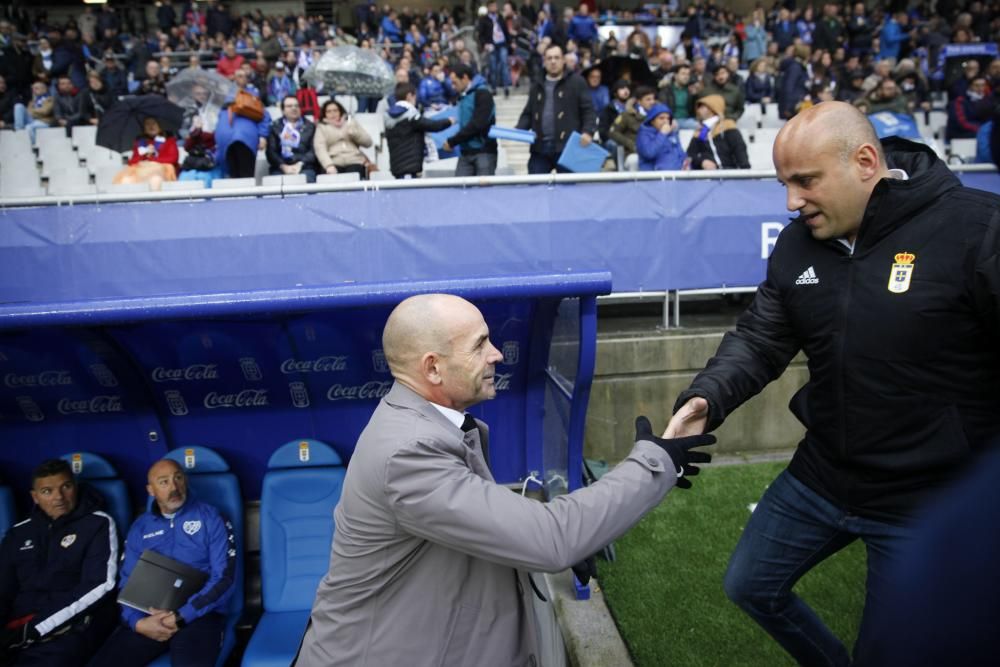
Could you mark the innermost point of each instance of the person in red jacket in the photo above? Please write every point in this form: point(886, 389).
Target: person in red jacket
point(230, 61)
point(154, 158)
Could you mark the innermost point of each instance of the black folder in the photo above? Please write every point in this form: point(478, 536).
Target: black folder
point(161, 583)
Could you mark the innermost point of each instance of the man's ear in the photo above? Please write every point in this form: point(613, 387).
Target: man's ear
point(867, 160)
point(429, 368)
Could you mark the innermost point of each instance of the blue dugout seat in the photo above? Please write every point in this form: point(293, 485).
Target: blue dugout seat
point(300, 490)
point(98, 472)
point(7, 510)
point(211, 481)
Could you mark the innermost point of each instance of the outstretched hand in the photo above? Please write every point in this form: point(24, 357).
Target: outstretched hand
point(691, 419)
point(679, 450)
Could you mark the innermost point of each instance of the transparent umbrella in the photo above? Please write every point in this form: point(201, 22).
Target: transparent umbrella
point(351, 70)
point(195, 87)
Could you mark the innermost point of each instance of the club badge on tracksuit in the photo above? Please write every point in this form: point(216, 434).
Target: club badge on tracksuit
point(902, 272)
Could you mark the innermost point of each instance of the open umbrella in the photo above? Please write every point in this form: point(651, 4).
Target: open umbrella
point(197, 87)
point(633, 69)
point(351, 70)
point(122, 122)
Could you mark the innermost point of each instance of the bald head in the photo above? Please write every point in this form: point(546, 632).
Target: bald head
point(168, 485)
point(438, 345)
point(838, 125)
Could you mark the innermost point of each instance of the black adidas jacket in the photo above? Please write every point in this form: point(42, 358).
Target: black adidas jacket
point(59, 570)
point(902, 386)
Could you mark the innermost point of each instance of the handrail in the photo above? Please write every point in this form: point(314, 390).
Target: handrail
point(445, 182)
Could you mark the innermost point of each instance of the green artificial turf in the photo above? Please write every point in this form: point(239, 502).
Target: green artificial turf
point(665, 587)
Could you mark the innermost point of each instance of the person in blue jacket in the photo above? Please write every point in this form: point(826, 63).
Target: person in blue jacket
point(238, 138)
point(191, 532)
point(657, 143)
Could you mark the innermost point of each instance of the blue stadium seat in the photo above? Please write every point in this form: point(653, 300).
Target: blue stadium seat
point(7, 510)
point(211, 481)
point(98, 472)
point(300, 490)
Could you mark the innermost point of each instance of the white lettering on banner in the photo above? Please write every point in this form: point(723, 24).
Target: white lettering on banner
point(43, 379)
point(501, 381)
point(768, 237)
point(368, 390)
point(95, 405)
point(192, 372)
point(325, 364)
point(248, 398)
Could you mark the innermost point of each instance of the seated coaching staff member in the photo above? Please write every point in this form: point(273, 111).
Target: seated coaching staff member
point(430, 555)
point(191, 532)
point(57, 574)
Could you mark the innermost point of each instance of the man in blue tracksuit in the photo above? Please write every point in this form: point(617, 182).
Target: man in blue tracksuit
point(57, 574)
point(192, 532)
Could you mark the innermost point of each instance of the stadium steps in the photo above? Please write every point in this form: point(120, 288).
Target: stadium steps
point(508, 111)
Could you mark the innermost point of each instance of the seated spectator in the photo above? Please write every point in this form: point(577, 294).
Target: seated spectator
point(718, 143)
point(887, 97)
point(279, 84)
point(911, 82)
point(794, 81)
point(852, 89)
point(599, 95)
point(200, 164)
point(679, 94)
point(192, 532)
point(69, 108)
point(290, 142)
point(657, 143)
point(41, 111)
point(230, 61)
point(619, 102)
point(625, 129)
point(57, 574)
point(199, 111)
point(968, 111)
point(308, 101)
point(155, 82)
point(97, 99)
point(722, 84)
point(154, 158)
point(338, 142)
point(239, 137)
point(760, 83)
point(435, 89)
point(10, 107)
point(405, 130)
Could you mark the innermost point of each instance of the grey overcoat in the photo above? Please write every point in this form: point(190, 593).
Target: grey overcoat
point(430, 556)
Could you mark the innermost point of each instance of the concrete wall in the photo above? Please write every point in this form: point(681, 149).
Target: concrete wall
point(643, 374)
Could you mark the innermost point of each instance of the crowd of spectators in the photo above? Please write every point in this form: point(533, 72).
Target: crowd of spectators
point(879, 58)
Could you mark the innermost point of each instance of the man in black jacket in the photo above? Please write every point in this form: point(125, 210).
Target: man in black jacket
point(290, 142)
point(476, 113)
point(558, 106)
point(404, 133)
point(889, 282)
point(57, 574)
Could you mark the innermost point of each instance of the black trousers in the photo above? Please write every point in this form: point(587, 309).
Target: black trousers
point(195, 645)
point(240, 160)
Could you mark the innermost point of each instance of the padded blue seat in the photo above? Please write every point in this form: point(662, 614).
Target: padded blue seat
point(98, 472)
point(7, 510)
point(299, 492)
point(211, 481)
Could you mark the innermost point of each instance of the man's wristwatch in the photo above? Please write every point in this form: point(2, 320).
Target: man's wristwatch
point(179, 620)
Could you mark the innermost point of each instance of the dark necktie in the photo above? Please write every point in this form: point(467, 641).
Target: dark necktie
point(469, 423)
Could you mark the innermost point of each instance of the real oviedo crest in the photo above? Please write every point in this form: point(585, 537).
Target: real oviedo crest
point(902, 272)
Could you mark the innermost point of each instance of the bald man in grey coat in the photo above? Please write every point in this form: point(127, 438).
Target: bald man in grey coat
point(430, 556)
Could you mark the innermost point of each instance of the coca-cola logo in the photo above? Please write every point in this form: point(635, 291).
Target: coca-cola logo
point(325, 364)
point(94, 405)
point(43, 379)
point(369, 390)
point(192, 372)
point(248, 398)
point(501, 381)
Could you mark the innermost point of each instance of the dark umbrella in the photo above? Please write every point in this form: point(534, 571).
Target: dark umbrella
point(631, 68)
point(122, 123)
point(351, 70)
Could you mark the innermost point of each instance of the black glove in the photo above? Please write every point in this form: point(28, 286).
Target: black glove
point(679, 450)
point(585, 569)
